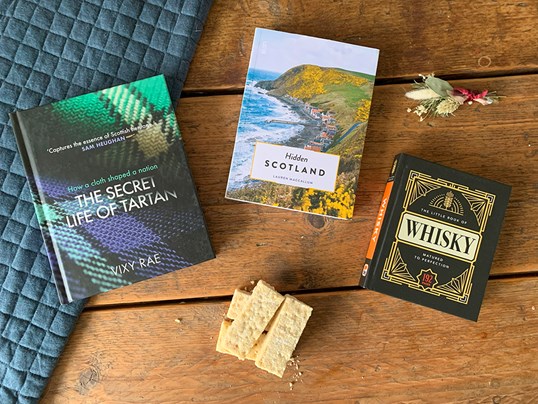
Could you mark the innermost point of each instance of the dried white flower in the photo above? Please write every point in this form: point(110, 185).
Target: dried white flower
point(422, 94)
point(447, 107)
point(421, 109)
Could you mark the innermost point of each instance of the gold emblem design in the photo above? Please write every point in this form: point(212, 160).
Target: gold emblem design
point(397, 268)
point(448, 202)
point(481, 206)
point(427, 279)
point(418, 187)
point(458, 289)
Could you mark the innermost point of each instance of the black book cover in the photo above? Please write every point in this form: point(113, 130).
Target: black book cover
point(435, 236)
point(112, 190)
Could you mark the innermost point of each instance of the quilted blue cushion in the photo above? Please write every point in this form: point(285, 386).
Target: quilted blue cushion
point(51, 50)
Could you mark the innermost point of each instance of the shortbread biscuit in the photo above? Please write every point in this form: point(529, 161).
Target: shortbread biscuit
point(252, 320)
point(223, 330)
point(238, 303)
point(253, 353)
point(278, 345)
point(239, 300)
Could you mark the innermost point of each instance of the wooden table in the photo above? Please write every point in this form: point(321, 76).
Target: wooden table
point(359, 345)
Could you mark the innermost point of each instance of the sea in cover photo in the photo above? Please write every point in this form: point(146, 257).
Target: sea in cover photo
point(310, 94)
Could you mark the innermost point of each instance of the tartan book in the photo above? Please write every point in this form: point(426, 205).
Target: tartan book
point(112, 190)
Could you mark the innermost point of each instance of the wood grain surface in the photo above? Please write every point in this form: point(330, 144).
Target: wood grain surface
point(454, 38)
point(296, 251)
point(358, 345)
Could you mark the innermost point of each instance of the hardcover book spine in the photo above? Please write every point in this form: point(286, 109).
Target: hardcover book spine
point(379, 233)
point(38, 203)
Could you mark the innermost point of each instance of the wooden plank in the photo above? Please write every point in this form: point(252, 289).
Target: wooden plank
point(449, 37)
point(358, 345)
point(298, 251)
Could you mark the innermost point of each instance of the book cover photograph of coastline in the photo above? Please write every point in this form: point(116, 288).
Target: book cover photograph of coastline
point(303, 123)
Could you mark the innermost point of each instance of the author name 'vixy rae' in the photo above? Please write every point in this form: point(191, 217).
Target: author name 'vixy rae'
point(130, 266)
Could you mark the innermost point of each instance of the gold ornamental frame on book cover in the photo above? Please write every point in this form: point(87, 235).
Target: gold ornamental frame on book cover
point(395, 270)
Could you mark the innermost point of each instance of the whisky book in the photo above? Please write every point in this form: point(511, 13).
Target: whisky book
point(111, 187)
point(303, 123)
point(435, 236)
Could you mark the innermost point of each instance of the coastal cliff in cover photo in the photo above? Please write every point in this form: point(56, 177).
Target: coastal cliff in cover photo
point(303, 123)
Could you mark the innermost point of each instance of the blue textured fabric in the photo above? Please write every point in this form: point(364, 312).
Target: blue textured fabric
point(51, 50)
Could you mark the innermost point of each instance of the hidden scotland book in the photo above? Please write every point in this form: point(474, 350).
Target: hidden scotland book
point(303, 123)
point(111, 187)
point(435, 236)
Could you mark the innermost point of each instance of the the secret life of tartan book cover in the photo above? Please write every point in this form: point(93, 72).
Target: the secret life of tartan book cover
point(111, 187)
point(302, 126)
point(435, 236)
